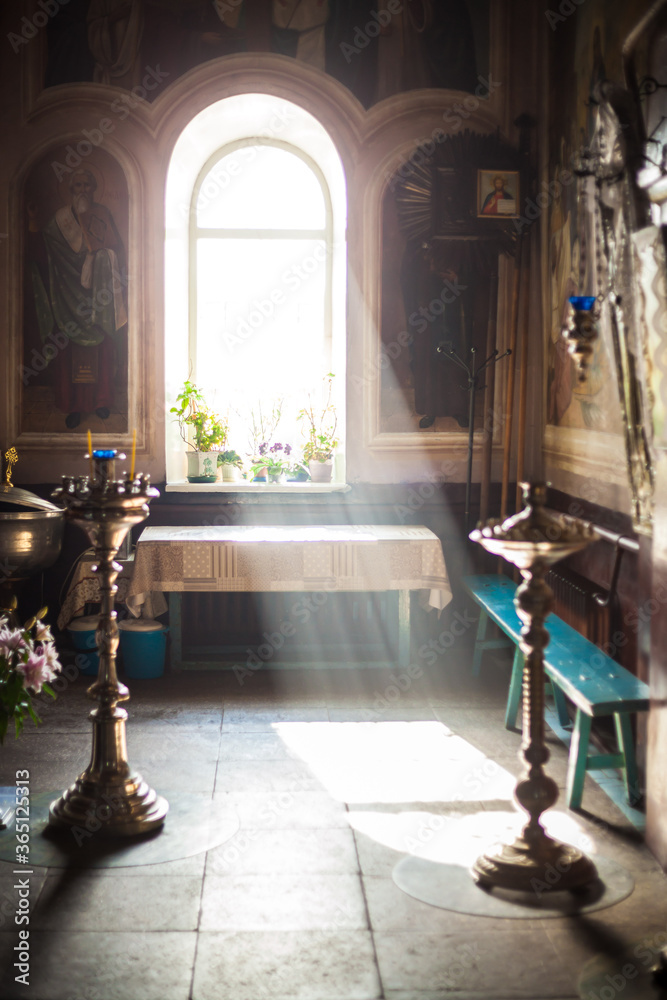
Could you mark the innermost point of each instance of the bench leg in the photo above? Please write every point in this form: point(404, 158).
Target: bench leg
point(627, 747)
point(479, 639)
point(403, 628)
point(576, 768)
point(561, 705)
point(516, 687)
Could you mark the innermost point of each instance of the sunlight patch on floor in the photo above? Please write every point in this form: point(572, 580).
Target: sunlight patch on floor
point(383, 762)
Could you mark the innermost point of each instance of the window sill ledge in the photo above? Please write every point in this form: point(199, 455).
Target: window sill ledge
point(262, 488)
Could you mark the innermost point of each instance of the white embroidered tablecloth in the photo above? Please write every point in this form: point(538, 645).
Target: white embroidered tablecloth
point(85, 589)
point(289, 558)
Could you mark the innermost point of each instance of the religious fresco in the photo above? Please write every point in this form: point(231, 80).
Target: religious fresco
point(587, 49)
point(433, 295)
point(75, 357)
point(440, 253)
point(376, 49)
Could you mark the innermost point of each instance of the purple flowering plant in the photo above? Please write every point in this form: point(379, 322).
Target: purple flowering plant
point(28, 661)
point(275, 458)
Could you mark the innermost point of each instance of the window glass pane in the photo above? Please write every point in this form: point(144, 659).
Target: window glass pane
point(261, 324)
point(261, 187)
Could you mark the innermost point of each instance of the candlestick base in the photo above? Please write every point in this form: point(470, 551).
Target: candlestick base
point(108, 799)
point(534, 867)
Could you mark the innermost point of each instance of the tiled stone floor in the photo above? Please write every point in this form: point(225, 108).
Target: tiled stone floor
point(331, 789)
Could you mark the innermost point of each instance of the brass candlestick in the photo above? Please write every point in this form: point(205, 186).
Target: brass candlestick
point(108, 797)
point(533, 540)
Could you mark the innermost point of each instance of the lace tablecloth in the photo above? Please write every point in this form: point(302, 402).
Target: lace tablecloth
point(289, 558)
point(85, 589)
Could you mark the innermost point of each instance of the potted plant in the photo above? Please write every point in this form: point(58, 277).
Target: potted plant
point(321, 442)
point(275, 459)
point(28, 661)
point(209, 433)
point(230, 463)
point(298, 473)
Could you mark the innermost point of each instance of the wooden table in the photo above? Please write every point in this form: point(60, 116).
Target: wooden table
point(316, 558)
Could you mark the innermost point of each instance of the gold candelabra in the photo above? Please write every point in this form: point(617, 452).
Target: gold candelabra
point(108, 797)
point(533, 540)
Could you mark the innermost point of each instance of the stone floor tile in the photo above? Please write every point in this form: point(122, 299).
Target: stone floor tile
point(375, 859)
point(255, 746)
point(392, 911)
point(248, 720)
point(289, 687)
point(290, 965)
point(299, 852)
point(192, 867)
point(374, 713)
point(259, 777)
point(287, 810)
point(577, 943)
point(78, 902)
point(283, 903)
point(514, 963)
point(121, 966)
point(170, 744)
point(166, 717)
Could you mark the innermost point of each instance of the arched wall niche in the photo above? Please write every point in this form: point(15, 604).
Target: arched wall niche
point(40, 193)
point(370, 146)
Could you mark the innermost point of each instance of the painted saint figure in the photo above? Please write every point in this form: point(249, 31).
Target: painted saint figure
point(499, 193)
point(79, 276)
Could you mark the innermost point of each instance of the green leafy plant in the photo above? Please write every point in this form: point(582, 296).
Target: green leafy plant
point(28, 661)
point(230, 458)
point(209, 430)
point(321, 424)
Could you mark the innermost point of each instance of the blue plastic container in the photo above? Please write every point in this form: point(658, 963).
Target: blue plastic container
point(142, 646)
point(82, 635)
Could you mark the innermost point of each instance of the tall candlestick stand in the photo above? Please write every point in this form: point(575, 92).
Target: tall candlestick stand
point(472, 386)
point(109, 792)
point(534, 540)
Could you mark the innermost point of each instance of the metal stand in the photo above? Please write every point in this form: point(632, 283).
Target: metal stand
point(532, 541)
point(472, 386)
point(108, 797)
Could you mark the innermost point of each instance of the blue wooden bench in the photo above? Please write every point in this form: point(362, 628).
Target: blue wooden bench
point(577, 670)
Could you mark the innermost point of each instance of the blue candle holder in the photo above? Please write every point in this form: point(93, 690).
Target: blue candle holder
point(581, 331)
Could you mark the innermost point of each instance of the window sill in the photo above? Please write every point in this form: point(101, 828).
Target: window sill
point(183, 486)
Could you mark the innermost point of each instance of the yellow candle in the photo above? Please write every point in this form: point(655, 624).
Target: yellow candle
point(134, 449)
point(90, 454)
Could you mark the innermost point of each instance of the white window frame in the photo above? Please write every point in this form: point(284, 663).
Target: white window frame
point(233, 122)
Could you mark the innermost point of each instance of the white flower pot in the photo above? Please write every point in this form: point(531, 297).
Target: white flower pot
point(230, 473)
point(202, 466)
point(320, 472)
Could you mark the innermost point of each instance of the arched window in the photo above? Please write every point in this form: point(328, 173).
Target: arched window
point(261, 242)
